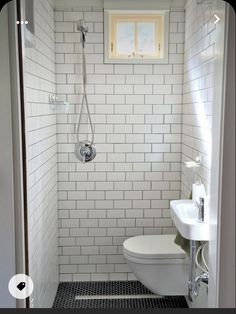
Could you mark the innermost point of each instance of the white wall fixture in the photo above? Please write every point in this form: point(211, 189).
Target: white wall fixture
point(193, 163)
point(58, 105)
point(186, 219)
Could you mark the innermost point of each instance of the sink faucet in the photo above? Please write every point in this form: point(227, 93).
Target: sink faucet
point(201, 209)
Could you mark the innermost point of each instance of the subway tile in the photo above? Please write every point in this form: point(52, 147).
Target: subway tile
point(122, 185)
point(119, 148)
point(137, 148)
point(161, 128)
point(97, 259)
point(116, 157)
point(104, 89)
point(162, 69)
point(142, 109)
point(122, 204)
point(116, 119)
point(116, 213)
point(154, 79)
point(152, 213)
point(95, 195)
point(134, 213)
point(154, 99)
point(123, 69)
point(72, 16)
point(105, 268)
point(135, 99)
point(135, 79)
point(104, 186)
point(85, 204)
point(115, 100)
point(161, 109)
point(75, 213)
point(162, 89)
point(135, 157)
point(93, 16)
point(122, 166)
point(116, 232)
point(123, 89)
point(134, 176)
point(132, 195)
point(137, 136)
point(177, 16)
point(97, 232)
point(116, 79)
point(89, 250)
point(142, 89)
point(103, 69)
point(142, 69)
point(58, 16)
point(65, 68)
point(64, 269)
point(114, 195)
point(116, 176)
point(98, 213)
point(64, 27)
point(119, 128)
point(153, 138)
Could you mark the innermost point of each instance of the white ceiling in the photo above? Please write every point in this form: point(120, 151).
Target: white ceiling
point(158, 4)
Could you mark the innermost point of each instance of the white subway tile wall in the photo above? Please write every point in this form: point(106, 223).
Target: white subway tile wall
point(41, 135)
point(197, 93)
point(136, 111)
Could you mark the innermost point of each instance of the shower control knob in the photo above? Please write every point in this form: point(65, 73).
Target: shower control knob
point(85, 151)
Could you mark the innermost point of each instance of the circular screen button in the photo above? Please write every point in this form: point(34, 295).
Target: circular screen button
point(20, 286)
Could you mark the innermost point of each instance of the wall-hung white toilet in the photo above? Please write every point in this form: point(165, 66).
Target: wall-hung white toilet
point(158, 263)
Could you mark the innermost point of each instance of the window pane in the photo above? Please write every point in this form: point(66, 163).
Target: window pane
point(125, 38)
point(146, 38)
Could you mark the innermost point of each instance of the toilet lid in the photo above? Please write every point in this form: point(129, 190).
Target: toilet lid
point(153, 246)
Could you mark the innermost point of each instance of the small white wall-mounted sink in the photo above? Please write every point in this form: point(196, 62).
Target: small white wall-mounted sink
point(185, 216)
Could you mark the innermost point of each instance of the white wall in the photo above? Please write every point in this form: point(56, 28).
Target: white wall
point(202, 103)
point(197, 93)
point(136, 111)
point(42, 158)
point(7, 226)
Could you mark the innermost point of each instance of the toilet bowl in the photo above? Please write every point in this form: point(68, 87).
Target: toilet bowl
point(158, 263)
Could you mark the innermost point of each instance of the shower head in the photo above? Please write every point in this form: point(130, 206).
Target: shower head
point(81, 26)
point(83, 29)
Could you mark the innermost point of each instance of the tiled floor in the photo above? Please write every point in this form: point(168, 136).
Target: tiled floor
point(112, 295)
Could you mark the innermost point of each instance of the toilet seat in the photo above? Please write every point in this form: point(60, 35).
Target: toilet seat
point(154, 249)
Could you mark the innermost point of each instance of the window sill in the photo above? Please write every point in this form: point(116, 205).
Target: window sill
point(135, 61)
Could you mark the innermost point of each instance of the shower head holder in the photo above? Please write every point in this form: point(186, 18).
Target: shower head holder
point(83, 29)
point(81, 26)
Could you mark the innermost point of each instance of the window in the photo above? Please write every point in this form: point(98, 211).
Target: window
point(136, 37)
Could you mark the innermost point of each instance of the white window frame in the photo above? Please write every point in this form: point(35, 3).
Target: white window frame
point(108, 29)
